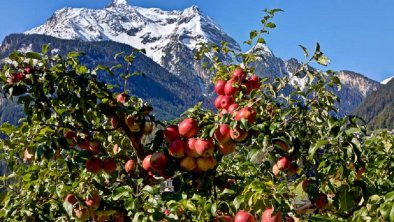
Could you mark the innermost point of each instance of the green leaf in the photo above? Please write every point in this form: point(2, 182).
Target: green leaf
point(4, 197)
point(238, 201)
point(270, 25)
point(261, 40)
point(213, 209)
point(120, 192)
point(45, 48)
point(275, 10)
point(353, 130)
point(346, 201)
point(306, 52)
point(68, 207)
point(253, 34)
point(33, 55)
point(73, 54)
point(389, 196)
point(320, 57)
point(313, 149)
point(138, 217)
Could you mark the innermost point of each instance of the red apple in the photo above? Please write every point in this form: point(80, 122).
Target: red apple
point(305, 185)
point(119, 217)
point(292, 170)
point(360, 173)
point(130, 166)
point(28, 70)
point(290, 219)
point(218, 102)
point(114, 122)
point(282, 145)
point(227, 147)
point(82, 214)
point(269, 217)
point(116, 149)
point(223, 112)
point(146, 163)
point(246, 113)
point(27, 156)
point(238, 134)
point(188, 128)
point(222, 134)
point(223, 219)
point(71, 137)
point(321, 201)
point(84, 144)
point(93, 165)
point(171, 133)
point(232, 108)
point(284, 163)
point(158, 161)
point(219, 87)
point(247, 88)
point(231, 87)
point(204, 147)
point(177, 148)
point(238, 75)
point(275, 170)
point(93, 201)
point(253, 83)
point(132, 125)
point(71, 198)
point(16, 77)
point(191, 149)
point(121, 98)
point(109, 165)
point(206, 163)
point(188, 163)
point(243, 216)
point(94, 146)
point(226, 102)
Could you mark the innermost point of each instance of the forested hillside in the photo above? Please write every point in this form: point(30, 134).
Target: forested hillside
point(378, 108)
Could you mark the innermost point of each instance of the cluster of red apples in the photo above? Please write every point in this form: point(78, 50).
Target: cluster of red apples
point(85, 208)
point(19, 76)
point(196, 154)
point(269, 215)
point(94, 164)
point(192, 154)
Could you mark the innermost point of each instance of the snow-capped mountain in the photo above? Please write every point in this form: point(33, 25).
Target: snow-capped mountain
point(384, 82)
point(167, 36)
point(143, 28)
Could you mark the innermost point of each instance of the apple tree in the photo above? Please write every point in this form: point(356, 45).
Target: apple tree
point(272, 151)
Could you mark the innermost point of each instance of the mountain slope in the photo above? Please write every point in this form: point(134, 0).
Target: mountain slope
point(163, 90)
point(354, 87)
point(387, 80)
point(378, 108)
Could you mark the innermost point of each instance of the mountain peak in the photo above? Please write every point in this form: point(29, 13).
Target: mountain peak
point(118, 3)
point(192, 10)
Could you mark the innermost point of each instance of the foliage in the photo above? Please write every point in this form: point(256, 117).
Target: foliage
point(72, 119)
point(165, 91)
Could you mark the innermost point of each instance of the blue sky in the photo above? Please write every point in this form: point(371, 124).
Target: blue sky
point(357, 35)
